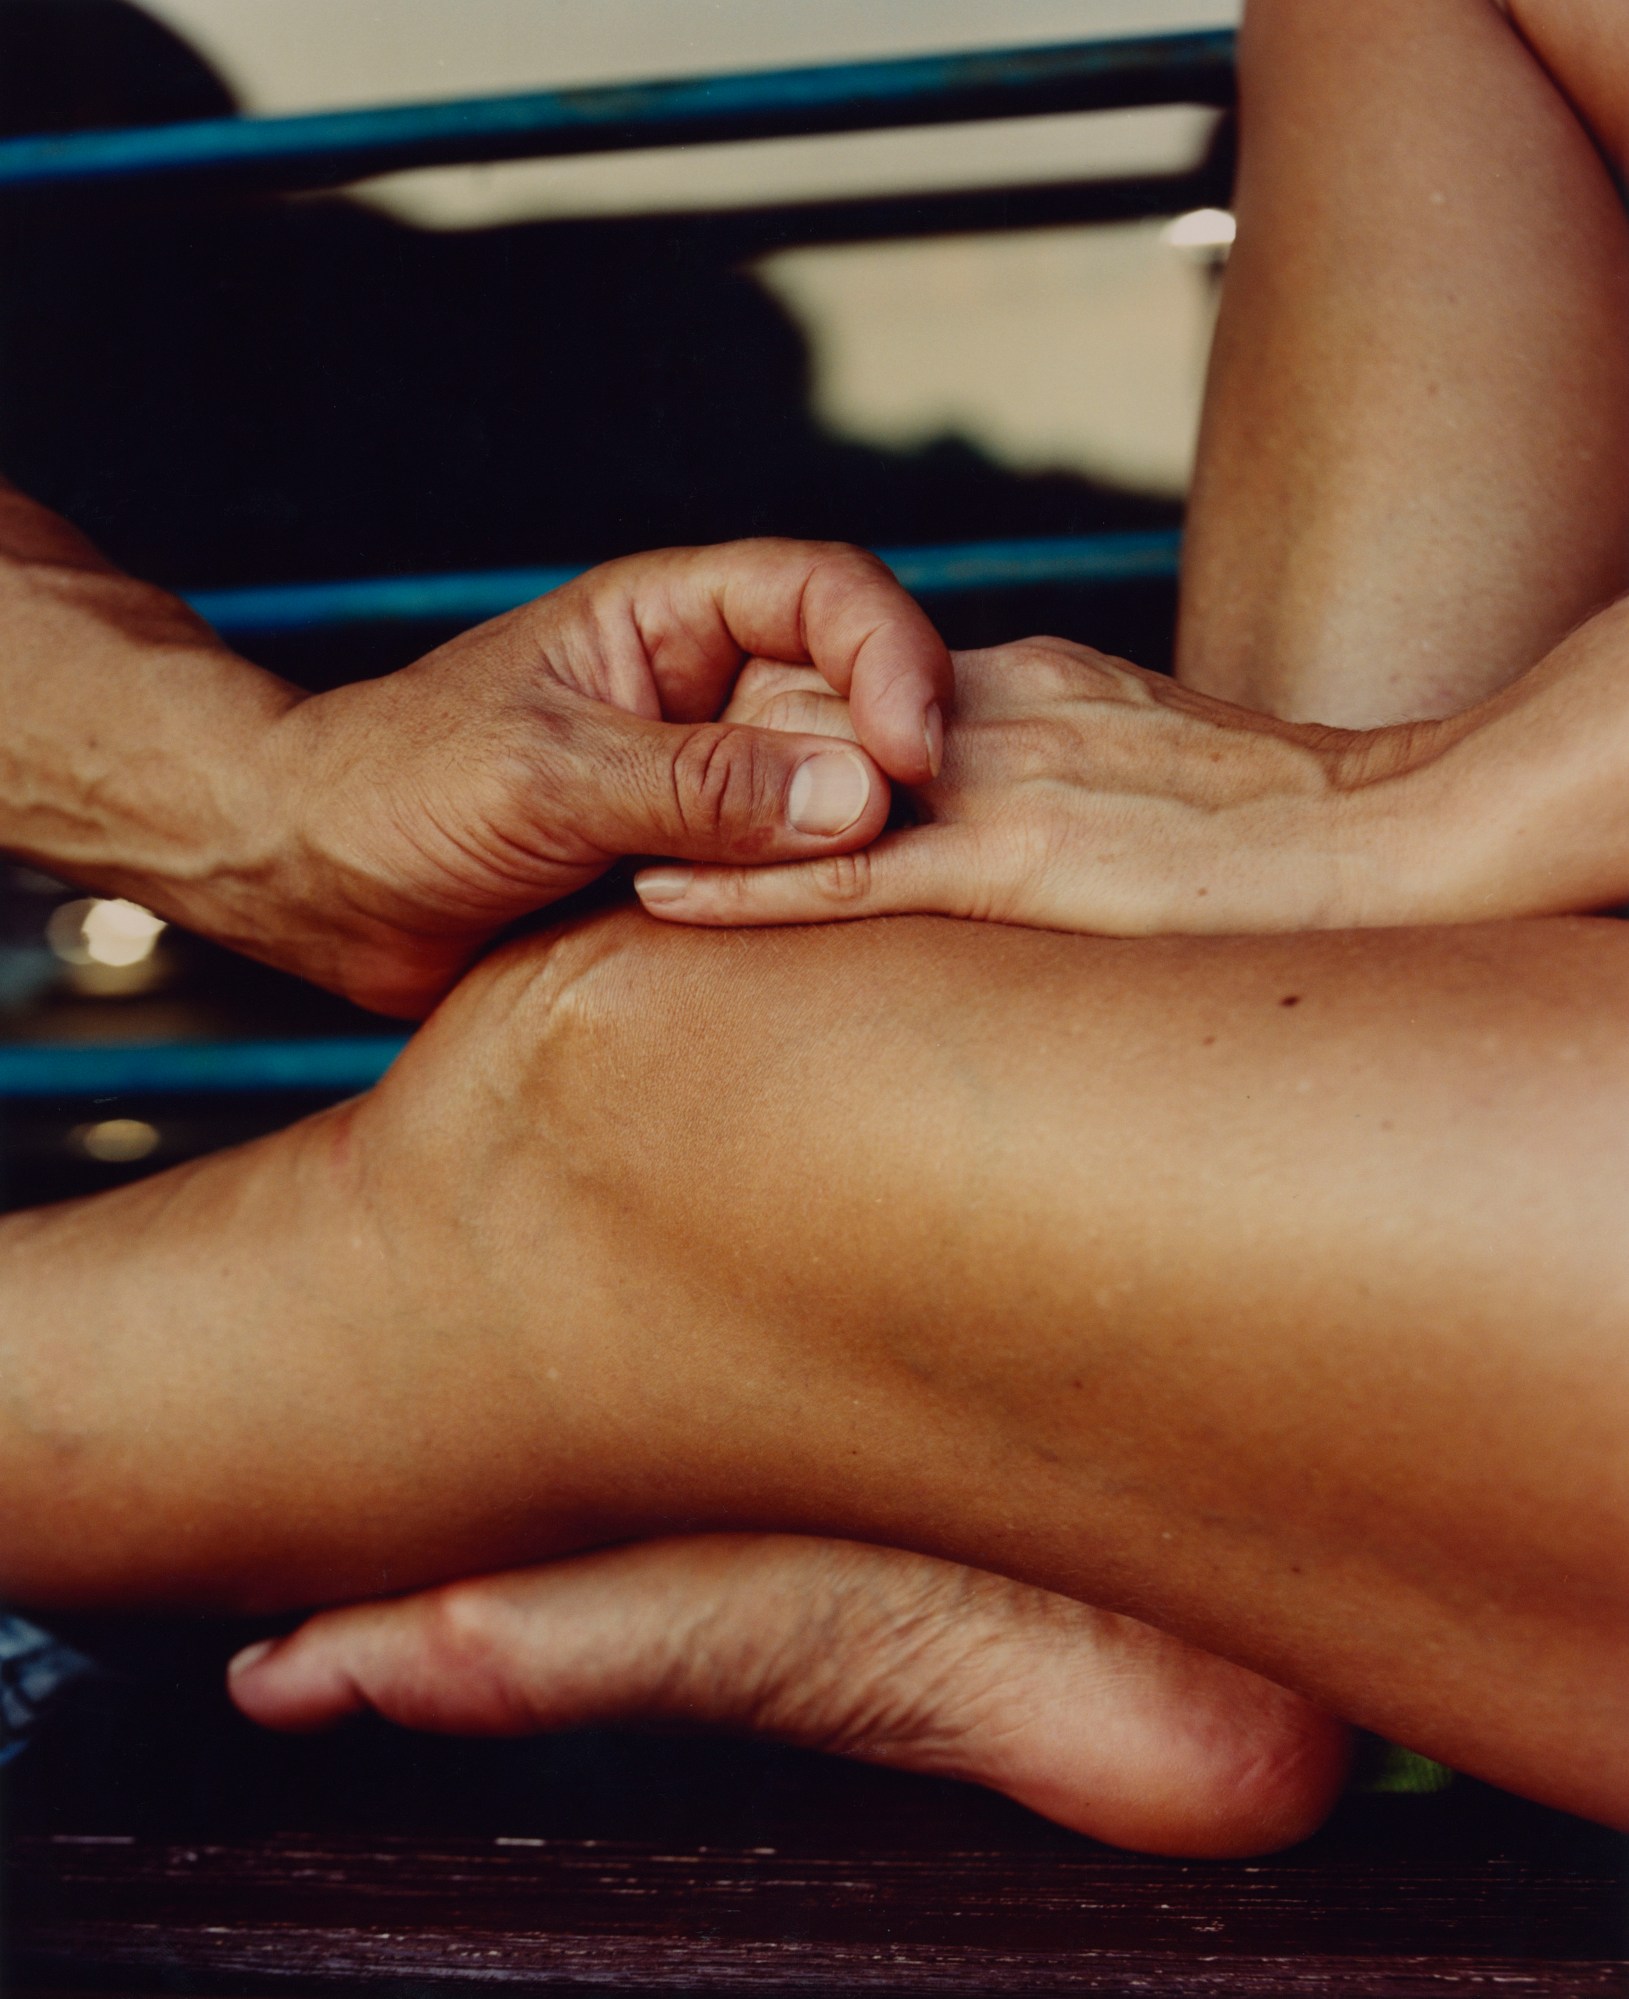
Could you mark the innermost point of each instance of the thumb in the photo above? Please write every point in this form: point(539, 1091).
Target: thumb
point(717, 791)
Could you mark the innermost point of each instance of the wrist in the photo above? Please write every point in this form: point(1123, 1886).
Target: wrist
point(250, 886)
point(139, 756)
point(176, 817)
point(1401, 848)
point(332, 894)
point(1516, 807)
point(131, 729)
point(283, 874)
point(205, 845)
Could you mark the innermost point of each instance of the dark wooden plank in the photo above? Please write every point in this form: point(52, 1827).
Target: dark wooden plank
point(156, 1843)
point(563, 1914)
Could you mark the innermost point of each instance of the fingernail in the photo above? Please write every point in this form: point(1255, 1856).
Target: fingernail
point(829, 792)
point(249, 1657)
point(933, 734)
point(662, 884)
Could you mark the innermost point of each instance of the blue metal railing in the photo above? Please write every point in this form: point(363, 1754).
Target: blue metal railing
point(331, 148)
point(467, 597)
point(101, 1072)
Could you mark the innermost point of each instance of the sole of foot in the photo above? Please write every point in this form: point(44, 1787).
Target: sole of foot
point(1092, 1719)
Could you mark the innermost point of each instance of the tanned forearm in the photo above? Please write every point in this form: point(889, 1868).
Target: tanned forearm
point(1272, 1290)
point(375, 838)
point(130, 736)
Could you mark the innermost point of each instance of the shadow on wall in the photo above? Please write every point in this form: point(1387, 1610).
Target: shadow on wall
point(232, 391)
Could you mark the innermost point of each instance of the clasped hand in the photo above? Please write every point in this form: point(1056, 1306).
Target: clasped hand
point(516, 763)
point(1081, 793)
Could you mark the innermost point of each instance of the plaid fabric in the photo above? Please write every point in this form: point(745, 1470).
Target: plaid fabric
point(35, 1669)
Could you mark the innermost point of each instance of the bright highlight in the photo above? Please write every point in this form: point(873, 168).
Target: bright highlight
point(1201, 229)
point(98, 931)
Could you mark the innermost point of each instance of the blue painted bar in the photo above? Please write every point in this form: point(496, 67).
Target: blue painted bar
point(455, 599)
point(330, 148)
point(95, 1072)
point(465, 599)
point(1151, 555)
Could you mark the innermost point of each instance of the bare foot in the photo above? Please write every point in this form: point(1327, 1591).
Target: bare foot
point(1093, 1719)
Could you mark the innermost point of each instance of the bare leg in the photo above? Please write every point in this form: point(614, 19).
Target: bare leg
point(1096, 1719)
point(1269, 1290)
point(1413, 476)
point(1402, 501)
point(1440, 605)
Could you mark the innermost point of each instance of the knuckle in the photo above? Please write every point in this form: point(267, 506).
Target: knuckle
point(849, 555)
point(839, 567)
point(761, 679)
point(464, 1653)
point(456, 1630)
point(1056, 668)
point(812, 551)
point(843, 879)
point(850, 593)
point(819, 548)
point(724, 784)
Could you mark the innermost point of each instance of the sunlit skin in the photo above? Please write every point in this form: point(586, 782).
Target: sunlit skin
point(1292, 1329)
point(1403, 501)
point(1461, 1583)
point(1411, 501)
